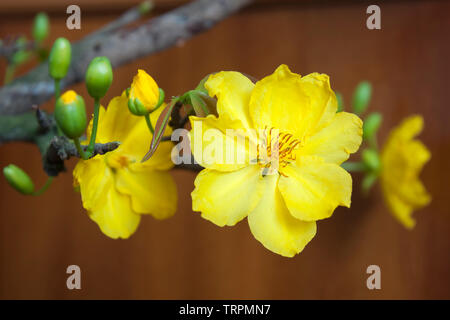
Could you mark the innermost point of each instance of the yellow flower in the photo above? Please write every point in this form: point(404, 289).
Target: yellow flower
point(144, 94)
point(297, 117)
point(116, 188)
point(402, 159)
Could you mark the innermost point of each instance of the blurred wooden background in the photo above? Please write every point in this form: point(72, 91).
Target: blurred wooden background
point(188, 257)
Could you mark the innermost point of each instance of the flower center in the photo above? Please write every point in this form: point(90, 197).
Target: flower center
point(276, 150)
point(117, 160)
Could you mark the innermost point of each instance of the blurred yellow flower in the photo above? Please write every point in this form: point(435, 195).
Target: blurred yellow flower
point(116, 188)
point(283, 193)
point(402, 159)
point(146, 91)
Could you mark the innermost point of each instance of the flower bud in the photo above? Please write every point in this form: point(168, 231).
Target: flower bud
point(361, 97)
point(136, 107)
point(144, 95)
point(40, 27)
point(371, 125)
point(371, 159)
point(59, 59)
point(18, 179)
point(99, 76)
point(70, 114)
point(21, 55)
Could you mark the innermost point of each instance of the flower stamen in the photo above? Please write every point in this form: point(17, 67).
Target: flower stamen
point(276, 150)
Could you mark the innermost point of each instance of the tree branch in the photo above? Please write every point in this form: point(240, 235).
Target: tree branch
point(120, 46)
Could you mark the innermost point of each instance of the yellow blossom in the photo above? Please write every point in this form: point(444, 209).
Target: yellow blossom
point(402, 159)
point(297, 118)
point(116, 188)
point(144, 94)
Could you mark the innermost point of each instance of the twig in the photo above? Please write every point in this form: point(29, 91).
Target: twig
point(121, 47)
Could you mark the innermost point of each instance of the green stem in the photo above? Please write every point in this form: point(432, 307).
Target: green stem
point(149, 123)
point(9, 73)
point(44, 187)
point(83, 154)
point(90, 148)
point(354, 166)
point(57, 88)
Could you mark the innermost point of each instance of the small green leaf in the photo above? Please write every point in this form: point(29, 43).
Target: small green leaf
point(199, 106)
point(160, 127)
point(361, 97)
point(201, 85)
point(371, 159)
point(340, 102)
point(371, 125)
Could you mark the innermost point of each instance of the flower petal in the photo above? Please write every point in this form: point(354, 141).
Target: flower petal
point(107, 207)
point(288, 102)
point(337, 140)
point(312, 189)
point(94, 179)
point(233, 91)
point(401, 210)
point(273, 225)
point(117, 121)
point(217, 146)
point(145, 89)
point(152, 191)
point(114, 215)
point(402, 159)
point(225, 198)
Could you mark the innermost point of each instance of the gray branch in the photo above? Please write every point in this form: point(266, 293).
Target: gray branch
point(120, 46)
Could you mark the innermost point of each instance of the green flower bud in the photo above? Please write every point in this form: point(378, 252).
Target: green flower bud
point(136, 107)
point(41, 27)
point(21, 55)
point(371, 125)
point(371, 159)
point(18, 179)
point(99, 77)
point(145, 7)
point(59, 59)
point(361, 97)
point(70, 114)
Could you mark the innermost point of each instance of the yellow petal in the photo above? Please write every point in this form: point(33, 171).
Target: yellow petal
point(312, 189)
point(225, 198)
point(402, 159)
point(117, 121)
point(273, 225)
point(145, 89)
point(408, 129)
point(152, 191)
point(107, 207)
point(94, 179)
point(233, 91)
point(401, 210)
point(217, 146)
point(114, 215)
point(337, 140)
point(288, 102)
point(137, 144)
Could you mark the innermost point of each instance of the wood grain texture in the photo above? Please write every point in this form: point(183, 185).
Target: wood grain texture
point(188, 257)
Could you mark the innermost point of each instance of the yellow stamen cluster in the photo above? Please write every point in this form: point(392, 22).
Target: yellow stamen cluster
point(276, 150)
